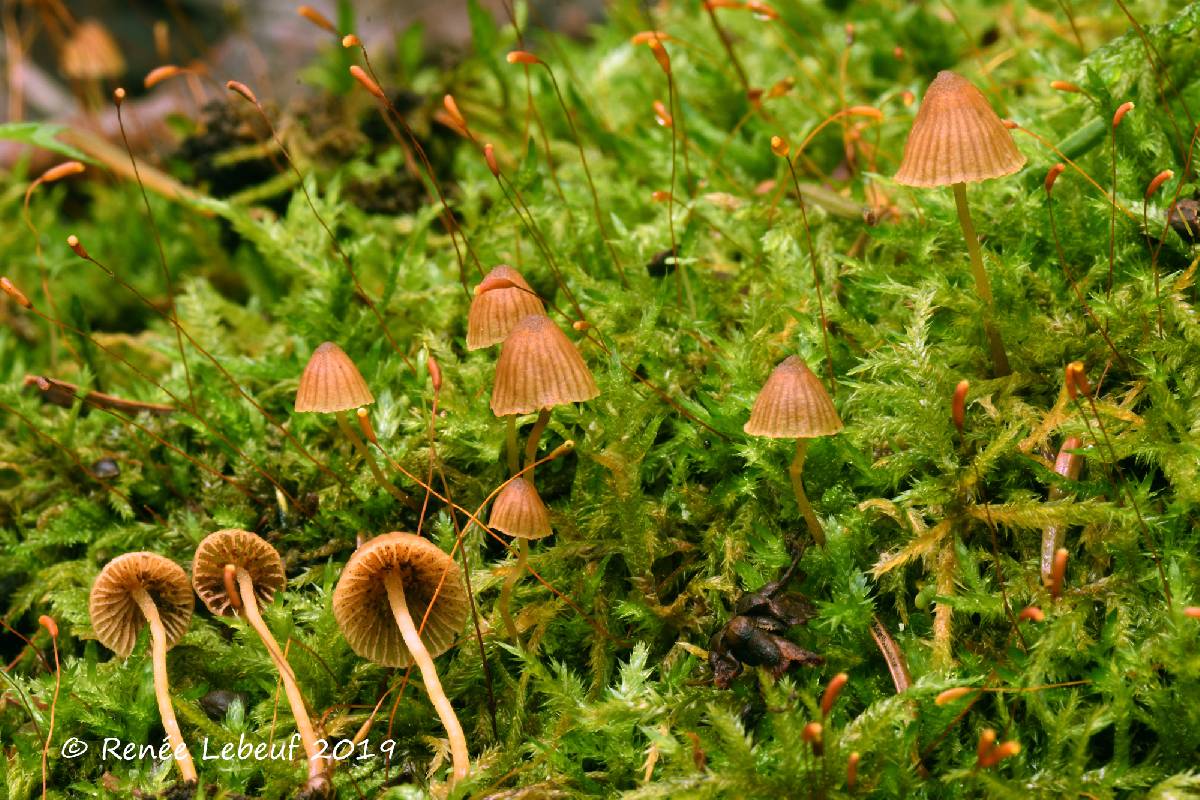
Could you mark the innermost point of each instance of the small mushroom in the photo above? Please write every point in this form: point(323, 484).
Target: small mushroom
point(794, 405)
point(233, 572)
point(388, 583)
point(518, 511)
point(139, 589)
point(91, 54)
point(957, 138)
point(502, 299)
point(332, 384)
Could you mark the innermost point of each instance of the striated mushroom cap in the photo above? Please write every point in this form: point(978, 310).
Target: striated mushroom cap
point(91, 53)
point(539, 368)
point(331, 382)
point(242, 549)
point(793, 405)
point(362, 609)
point(956, 138)
point(116, 616)
point(502, 299)
point(520, 512)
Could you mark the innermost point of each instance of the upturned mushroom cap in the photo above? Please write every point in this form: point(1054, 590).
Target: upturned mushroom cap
point(242, 549)
point(362, 610)
point(539, 368)
point(116, 617)
point(520, 512)
point(793, 405)
point(91, 53)
point(502, 299)
point(956, 138)
point(331, 382)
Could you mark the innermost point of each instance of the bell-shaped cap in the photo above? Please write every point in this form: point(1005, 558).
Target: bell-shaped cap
point(91, 53)
point(113, 605)
point(502, 299)
point(956, 138)
point(539, 368)
point(364, 613)
point(793, 405)
point(331, 383)
point(244, 550)
point(520, 512)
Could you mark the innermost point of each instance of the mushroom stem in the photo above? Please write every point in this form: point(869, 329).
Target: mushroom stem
point(982, 287)
point(506, 590)
point(158, 648)
point(532, 444)
point(365, 452)
point(317, 778)
point(810, 517)
point(433, 686)
point(514, 464)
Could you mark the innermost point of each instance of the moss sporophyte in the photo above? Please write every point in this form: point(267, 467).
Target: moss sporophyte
point(559, 294)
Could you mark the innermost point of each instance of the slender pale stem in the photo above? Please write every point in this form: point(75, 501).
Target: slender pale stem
point(433, 686)
point(308, 737)
point(532, 444)
point(162, 691)
point(369, 457)
point(514, 452)
point(810, 517)
point(506, 590)
point(982, 287)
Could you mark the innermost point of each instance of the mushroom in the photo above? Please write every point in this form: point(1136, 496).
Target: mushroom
point(388, 583)
point(332, 384)
point(139, 589)
point(957, 138)
point(519, 512)
point(794, 405)
point(538, 369)
point(233, 572)
point(502, 299)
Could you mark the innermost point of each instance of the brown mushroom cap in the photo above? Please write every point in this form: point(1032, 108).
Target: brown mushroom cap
point(242, 549)
point(539, 368)
point(116, 617)
point(793, 405)
point(331, 382)
point(520, 512)
point(502, 299)
point(956, 138)
point(362, 610)
point(91, 53)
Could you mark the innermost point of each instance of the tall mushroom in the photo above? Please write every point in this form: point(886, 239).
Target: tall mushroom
point(332, 384)
point(400, 601)
point(139, 589)
point(502, 299)
point(538, 368)
point(957, 138)
point(794, 405)
point(233, 571)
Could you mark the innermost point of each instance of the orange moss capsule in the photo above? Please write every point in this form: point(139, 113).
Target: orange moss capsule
point(950, 695)
point(16, 294)
point(160, 74)
point(1052, 176)
point(244, 90)
point(316, 18)
point(60, 171)
point(77, 246)
point(958, 407)
point(661, 115)
point(1065, 86)
point(779, 146)
point(47, 622)
point(367, 82)
point(852, 770)
point(1031, 614)
point(451, 106)
point(836, 684)
point(1122, 110)
point(489, 155)
point(350, 40)
point(1158, 181)
point(522, 57)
